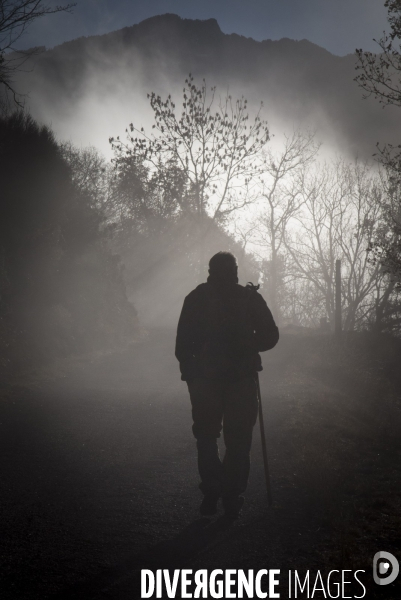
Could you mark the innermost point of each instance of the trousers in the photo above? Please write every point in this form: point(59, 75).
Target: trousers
point(231, 406)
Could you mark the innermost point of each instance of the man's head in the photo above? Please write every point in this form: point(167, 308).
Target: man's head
point(223, 265)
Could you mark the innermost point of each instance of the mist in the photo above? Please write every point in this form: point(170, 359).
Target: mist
point(321, 129)
point(91, 88)
point(107, 229)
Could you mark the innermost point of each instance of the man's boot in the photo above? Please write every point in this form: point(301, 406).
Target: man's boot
point(208, 506)
point(232, 506)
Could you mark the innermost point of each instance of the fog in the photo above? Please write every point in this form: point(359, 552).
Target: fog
point(99, 466)
point(91, 89)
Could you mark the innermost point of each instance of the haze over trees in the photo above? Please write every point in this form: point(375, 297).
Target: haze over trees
point(294, 212)
point(61, 288)
point(201, 175)
point(297, 81)
point(141, 229)
point(281, 191)
point(200, 161)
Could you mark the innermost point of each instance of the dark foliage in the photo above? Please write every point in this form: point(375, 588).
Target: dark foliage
point(62, 290)
point(380, 76)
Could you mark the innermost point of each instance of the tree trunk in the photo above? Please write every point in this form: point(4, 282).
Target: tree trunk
point(338, 323)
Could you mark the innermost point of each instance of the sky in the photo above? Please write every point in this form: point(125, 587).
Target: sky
point(340, 26)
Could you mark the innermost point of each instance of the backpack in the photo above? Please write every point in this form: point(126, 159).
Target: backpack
point(227, 332)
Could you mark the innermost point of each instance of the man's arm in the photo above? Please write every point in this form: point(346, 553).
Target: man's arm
point(266, 331)
point(185, 341)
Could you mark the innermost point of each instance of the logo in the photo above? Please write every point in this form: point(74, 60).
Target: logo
point(386, 564)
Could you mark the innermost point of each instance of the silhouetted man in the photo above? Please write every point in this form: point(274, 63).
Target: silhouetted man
point(222, 328)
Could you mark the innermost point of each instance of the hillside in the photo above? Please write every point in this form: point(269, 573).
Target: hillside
point(91, 88)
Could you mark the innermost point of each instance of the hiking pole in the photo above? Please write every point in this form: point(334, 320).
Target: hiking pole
point(263, 438)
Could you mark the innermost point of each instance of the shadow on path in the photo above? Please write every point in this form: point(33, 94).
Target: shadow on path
point(199, 536)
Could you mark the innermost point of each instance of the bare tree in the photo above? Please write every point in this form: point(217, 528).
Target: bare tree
point(15, 17)
point(386, 247)
point(281, 193)
point(211, 140)
point(90, 172)
point(380, 76)
point(339, 220)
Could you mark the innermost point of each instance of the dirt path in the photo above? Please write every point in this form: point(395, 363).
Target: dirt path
point(99, 478)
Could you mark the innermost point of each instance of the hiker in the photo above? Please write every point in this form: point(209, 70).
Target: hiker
point(222, 328)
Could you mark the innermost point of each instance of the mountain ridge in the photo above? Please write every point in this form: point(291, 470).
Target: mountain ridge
point(167, 18)
point(298, 81)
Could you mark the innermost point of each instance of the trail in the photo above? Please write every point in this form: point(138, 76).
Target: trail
point(99, 478)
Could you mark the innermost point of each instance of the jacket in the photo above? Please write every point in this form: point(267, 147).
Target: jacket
point(221, 330)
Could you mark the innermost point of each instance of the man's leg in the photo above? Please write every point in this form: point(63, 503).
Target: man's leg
point(207, 414)
point(240, 415)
